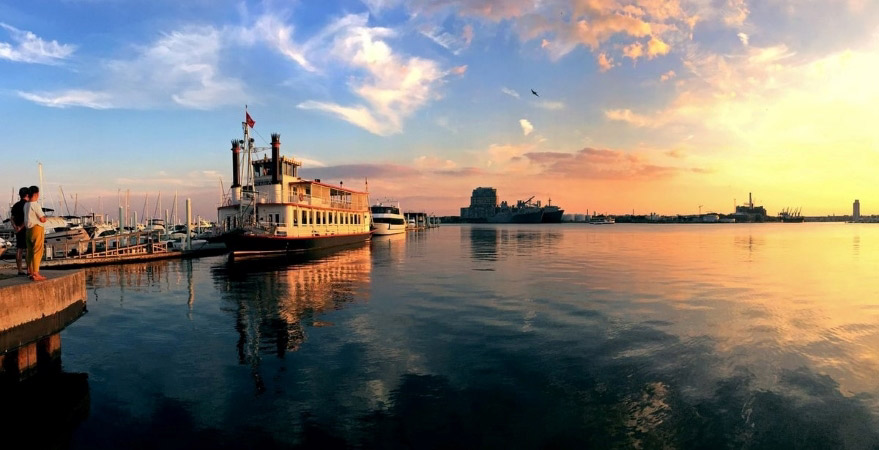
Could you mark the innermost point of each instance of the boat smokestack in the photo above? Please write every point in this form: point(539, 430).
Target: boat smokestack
point(276, 158)
point(236, 150)
point(750, 201)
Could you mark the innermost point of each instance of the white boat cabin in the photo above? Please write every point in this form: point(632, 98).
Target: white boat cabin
point(289, 206)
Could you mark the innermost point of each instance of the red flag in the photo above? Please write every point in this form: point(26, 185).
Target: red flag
point(250, 121)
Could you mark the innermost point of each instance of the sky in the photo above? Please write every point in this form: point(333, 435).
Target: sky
point(642, 105)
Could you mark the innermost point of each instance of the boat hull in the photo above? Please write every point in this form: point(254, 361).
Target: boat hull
point(251, 244)
point(385, 229)
point(553, 216)
point(517, 217)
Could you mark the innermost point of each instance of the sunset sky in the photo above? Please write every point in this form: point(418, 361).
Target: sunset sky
point(644, 105)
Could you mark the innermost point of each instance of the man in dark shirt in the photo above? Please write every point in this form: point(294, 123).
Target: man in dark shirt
point(18, 226)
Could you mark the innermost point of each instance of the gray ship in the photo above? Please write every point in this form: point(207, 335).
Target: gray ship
point(484, 208)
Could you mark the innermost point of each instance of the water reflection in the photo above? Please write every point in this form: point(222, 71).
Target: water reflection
point(483, 242)
point(276, 300)
point(630, 336)
point(493, 243)
point(390, 250)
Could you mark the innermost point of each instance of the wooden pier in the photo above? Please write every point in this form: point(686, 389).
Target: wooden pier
point(422, 221)
point(32, 315)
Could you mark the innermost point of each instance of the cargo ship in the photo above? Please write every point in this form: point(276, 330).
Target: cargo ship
point(485, 208)
point(523, 212)
point(552, 213)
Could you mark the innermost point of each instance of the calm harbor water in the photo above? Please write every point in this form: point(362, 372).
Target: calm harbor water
point(559, 336)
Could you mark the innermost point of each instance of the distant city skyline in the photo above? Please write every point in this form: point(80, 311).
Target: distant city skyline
point(645, 105)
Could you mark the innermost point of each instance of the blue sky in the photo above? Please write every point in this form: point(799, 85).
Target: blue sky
point(644, 104)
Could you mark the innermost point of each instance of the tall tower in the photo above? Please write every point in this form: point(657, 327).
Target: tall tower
point(856, 211)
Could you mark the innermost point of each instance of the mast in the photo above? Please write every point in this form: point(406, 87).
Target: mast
point(66, 207)
point(143, 214)
point(158, 209)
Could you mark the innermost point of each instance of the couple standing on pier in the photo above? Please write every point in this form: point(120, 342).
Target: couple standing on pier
point(27, 220)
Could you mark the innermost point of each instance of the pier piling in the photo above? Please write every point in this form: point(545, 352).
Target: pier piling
point(31, 317)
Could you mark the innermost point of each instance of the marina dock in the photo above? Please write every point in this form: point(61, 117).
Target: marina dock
point(32, 315)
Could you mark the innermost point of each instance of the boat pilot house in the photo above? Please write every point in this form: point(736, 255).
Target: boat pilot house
point(280, 204)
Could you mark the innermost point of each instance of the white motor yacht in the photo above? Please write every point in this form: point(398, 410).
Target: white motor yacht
point(387, 219)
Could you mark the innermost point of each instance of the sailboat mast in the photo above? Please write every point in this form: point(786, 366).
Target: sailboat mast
point(66, 207)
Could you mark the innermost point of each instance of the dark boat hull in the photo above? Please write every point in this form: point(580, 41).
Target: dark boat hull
point(253, 244)
point(553, 216)
point(517, 217)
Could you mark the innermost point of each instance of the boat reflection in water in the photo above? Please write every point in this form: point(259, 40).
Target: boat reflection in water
point(277, 299)
point(492, 243)
point(390, 250)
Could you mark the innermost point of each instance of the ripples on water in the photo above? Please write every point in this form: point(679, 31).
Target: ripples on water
point(571, 336)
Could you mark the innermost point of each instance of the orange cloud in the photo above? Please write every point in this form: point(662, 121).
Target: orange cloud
point(605, 63)
point(655, 47)
point(633, 51)
point(605, 164)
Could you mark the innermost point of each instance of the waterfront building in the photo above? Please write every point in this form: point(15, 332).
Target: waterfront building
point(749, 212)
point(856, 210)
point(483, 204)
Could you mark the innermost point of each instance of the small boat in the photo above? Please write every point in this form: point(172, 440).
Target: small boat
point(387, 218)
point(602, 220)
point(65, 238)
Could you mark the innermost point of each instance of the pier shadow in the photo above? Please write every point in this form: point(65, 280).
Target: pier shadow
point(43, 411)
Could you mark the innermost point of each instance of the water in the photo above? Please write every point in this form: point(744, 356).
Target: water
point(565, 336)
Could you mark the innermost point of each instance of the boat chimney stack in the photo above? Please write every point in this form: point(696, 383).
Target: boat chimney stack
point(236, 150)
point(750, 201)
point(276, 158)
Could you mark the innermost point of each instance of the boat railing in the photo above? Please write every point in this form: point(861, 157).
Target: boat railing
point(114, 245)
point(307, 199)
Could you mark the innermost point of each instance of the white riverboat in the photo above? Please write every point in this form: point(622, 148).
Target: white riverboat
point(602, 220)
point(387, 218)
point(276, 211)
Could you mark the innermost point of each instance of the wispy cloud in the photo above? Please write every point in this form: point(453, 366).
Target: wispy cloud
point(592, 163)
point(626, 115)
point(280, 36)
point(27, 47)
point(510, 92)
point(455, 43)
point(181, 68)
point(64, 99)
point(550, 105)
point(392, 86)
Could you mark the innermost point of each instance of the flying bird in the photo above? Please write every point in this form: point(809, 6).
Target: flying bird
point(534, 92)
